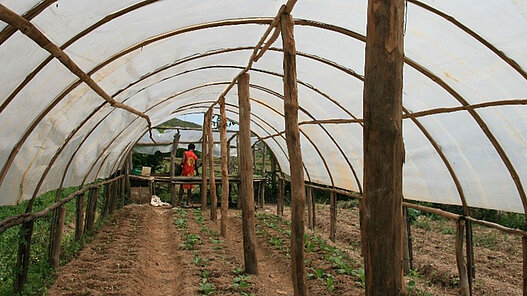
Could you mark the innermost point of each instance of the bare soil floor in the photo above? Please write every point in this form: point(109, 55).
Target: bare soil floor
point(161, 251)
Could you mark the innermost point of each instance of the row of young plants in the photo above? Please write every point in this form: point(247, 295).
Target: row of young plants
point(194, 242)
point(40, 273)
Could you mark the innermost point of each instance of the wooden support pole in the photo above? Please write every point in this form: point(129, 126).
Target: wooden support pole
point(91, 209)
point(79, 218)
point(332, 216)
point(224, 170)
point(261, 191)
point(240, 197)
point(107, 197)
point(280, 198)
point(127, 175)
point(173, 194)
point(54, 258)
point(246, 183)
point(113, 197)
point(204, 165)
point(23, 257)
point(292, 133)
point(212, 180)
point(524, 248)
point(273, 172)
point(464, 289)
point(381, 208)
point(122, 191)
point(408, 253)
point(470, 254)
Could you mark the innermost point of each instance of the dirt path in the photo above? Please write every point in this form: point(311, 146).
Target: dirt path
point(136, 253)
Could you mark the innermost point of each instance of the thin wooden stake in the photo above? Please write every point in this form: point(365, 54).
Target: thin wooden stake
point(79, 219)
point(280, 198)
point(57, 239)
point(464, 289)
point(212, 179)
point(91, 209)
point(224, 170)
point(107, 197)
point(333, 216)
point(408, 253)
point(246, 183)
point(298, 192)
point(204, 165)
point(470, 255)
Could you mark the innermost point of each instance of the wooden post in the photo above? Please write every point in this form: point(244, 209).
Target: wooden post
point(54, 259)
point(204, 165)
point(246, 182)
point(240, 196)
point(407, 241)
point(91, 208)
point(310, 209)
point(224, 170)
point(273, 172)
point(123, 189)
point(172, 184)
point(524, 248)
point(464, 289)
point(381, 209)
point(113, 198)
point(280, 198)
point(107, 197)
point(79, 219)
point(23, 257)
point(261, 196)
point(332, 216)
point(292, 134)
point(212, 180)
point(128, 171)
point(470, 254)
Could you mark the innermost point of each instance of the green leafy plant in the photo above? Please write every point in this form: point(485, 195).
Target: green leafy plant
point(190, 242)
point(206, 287)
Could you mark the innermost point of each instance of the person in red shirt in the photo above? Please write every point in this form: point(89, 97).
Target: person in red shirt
point(188, 168)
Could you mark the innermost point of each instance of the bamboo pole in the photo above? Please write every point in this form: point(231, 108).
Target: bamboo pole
point(298, 198)
point(54, 259)
point(261, 196)
point(91, 210)
point(381, 207)
point(246, 182)
point(333, 216)
point(173, 195)
point(79, 219)
point(212, 180)
point(204, 165)
point(464, 289)
point(224, 170)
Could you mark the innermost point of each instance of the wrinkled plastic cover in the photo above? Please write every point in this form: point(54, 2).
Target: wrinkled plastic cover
point(60, 133)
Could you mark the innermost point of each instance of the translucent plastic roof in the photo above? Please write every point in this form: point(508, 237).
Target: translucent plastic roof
point(464, 94)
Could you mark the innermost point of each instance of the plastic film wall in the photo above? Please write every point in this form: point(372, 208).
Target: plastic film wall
point(464, 93)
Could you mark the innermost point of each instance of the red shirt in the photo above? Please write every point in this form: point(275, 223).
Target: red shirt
point(189, 162)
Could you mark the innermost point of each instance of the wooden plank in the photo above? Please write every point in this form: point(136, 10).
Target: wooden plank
point(246, 185)
point(79, 218)
point(224, 170)
point(203, 187)
point(464, 289)
point(292, 132)
point(332, 216)
point(212, 180)
point(381, 209)
point(54, 259)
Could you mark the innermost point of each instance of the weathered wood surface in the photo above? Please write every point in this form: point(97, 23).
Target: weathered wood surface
point(204, 166)
point(280, 198)
point(54, 258)
point(261, 191)
point(23, 257)
point(332, 216)
point(172, 185)
point(91, 210)
point(298, 192)
point(224, 170)
point(212, 179)
point(79, 218)
point(381, 208)
point(246, 184)
point(464, 288)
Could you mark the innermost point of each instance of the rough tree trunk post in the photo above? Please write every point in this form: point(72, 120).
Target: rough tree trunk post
point(224, 170)
point(273, 172)
point(261, 196)
point(204, 165)
point(91, 208)
point(127, 177)
point(464, 289)
point(113, 197)
point(280, 198)
point(212, 179)
point(407, 241)
point(107, 197)
point(381, 211)
point(332, 216)
point(524, 248)
point(246, 182)
point(54, 258)
point(123, 190)
point(172, 184)
point(23, 257)
point(292, 133)
point(240, 197)
point(79, 219)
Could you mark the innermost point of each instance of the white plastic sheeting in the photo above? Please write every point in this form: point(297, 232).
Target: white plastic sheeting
point(168, 58)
